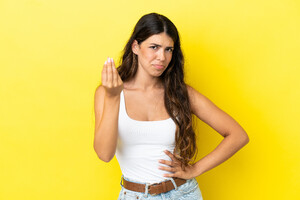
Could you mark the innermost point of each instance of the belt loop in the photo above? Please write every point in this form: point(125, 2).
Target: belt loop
point(146, 190)
point(173, 183)
point(121, 180)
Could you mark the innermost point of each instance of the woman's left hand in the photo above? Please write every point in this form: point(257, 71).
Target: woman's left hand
point(175, 168)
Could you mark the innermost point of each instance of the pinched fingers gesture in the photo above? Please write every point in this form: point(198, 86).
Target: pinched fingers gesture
point(111, 79)
point(174, 166)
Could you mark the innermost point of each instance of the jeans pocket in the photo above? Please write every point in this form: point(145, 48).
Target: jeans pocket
point(190, 186)
point(130, 195)
point(121, 194)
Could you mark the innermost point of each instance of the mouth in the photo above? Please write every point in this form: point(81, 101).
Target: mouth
point(158, 66)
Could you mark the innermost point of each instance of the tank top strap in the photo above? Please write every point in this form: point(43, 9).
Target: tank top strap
point(122, 111)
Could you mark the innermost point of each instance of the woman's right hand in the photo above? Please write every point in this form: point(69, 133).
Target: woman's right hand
point(111, 79)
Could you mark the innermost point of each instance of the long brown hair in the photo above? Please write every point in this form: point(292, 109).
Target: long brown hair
point(175, 90)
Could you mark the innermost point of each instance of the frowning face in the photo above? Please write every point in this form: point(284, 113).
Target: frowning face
point(154, 54)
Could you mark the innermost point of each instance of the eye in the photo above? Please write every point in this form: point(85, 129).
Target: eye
point(170, 50)
point(153, 47)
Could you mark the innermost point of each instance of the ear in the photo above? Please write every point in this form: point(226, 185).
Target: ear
point(135, 47)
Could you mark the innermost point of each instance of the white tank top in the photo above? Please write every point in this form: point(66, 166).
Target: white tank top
point(141, 144)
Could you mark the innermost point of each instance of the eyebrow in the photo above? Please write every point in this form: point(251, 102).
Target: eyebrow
point(160, 45)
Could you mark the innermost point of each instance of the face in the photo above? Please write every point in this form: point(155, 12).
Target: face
point(154, 54)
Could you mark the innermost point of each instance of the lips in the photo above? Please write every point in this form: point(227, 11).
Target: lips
point(158, 66)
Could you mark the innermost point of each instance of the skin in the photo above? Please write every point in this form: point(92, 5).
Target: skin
point(144, 102)
point(234, 135)
point(144, 93)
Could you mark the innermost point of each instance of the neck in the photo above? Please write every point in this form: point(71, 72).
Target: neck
point(145, 82)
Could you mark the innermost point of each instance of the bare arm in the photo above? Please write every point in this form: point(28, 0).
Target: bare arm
point(234, 135)
point(107, 100)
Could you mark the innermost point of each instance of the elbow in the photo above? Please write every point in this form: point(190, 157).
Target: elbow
point(241, 138)
point(107, 160)
point(102, 156)
point(245, 139)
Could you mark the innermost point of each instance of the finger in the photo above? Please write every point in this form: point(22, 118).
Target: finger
point(119, 79)
point(170, 155)
point(169, 175)
point(169, 169)
point(115, 74)
point(166, 162)
point(109, 73)
point(104, 73)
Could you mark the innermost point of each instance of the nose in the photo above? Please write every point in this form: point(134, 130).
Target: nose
point(161, 55)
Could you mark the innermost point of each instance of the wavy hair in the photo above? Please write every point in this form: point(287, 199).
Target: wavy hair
point(175, 90)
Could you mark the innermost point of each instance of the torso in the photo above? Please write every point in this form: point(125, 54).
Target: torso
point(144, 132)
point(145, 106)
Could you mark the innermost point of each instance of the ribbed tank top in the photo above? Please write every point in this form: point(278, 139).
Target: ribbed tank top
point(141, 144)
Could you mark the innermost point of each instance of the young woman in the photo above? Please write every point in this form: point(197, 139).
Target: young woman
point(143, 115)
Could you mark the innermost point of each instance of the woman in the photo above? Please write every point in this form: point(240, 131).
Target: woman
point(144, 107)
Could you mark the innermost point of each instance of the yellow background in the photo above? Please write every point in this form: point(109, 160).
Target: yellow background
point(243, 55)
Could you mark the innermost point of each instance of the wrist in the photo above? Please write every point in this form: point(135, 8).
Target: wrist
point(112, 97)
point(196, 170)
point(191, 171)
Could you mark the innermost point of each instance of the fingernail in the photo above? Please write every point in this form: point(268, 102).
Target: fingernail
point(108, 59)
point(105, 62)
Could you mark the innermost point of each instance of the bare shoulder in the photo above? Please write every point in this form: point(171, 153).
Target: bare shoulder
point(212, 115)
point(205, 109)
point(202, 106)
point(192, 91)
point(197, 99)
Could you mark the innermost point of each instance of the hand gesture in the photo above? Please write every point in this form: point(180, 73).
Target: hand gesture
point(111, 79)
point(175, 168)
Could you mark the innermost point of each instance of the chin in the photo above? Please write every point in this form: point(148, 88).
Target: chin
point(157, 73)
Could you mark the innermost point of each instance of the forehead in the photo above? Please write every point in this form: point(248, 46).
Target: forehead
point(161, 39)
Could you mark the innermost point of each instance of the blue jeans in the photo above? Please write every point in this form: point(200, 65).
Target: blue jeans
point(187, 191)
